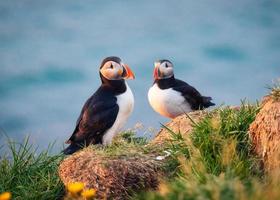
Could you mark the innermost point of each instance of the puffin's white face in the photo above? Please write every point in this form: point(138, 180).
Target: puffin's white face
point(114, 71)
point(163, 70)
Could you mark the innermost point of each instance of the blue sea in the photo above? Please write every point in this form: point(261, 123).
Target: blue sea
point(50, 52)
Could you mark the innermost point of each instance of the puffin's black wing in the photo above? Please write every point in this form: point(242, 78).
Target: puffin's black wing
point(97, 116)
point(192, 96)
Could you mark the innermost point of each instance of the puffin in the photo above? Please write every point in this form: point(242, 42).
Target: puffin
point(171, 97)
point(107, 110)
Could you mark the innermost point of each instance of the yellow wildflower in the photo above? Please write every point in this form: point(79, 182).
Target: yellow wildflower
point(75, 188)
point(89, 194)
point(5, 196)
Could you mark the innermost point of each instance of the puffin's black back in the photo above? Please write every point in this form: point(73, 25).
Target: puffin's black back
point(97, 116)
point(192, 96)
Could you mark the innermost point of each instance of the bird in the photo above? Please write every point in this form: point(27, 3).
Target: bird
point(107, 110)
point(171, 97)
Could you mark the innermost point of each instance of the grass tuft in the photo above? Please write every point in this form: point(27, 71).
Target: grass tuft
point(28, 175)
point(215, 161)
point(275, 90)
point(222, 137)
point(125, 144)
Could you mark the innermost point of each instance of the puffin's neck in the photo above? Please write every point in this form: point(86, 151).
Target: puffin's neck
point(165, 83)
point(117, 86)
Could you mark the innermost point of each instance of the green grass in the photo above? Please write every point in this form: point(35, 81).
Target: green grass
point(226, 128)
point(28, 175)
point(125, 144)
point(215, 161)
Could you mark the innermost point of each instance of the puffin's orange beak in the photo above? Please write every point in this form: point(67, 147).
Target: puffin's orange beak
point(156, 73)
point(129, 73)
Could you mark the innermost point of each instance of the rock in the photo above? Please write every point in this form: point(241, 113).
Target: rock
point(265, 134)
point(114, 177)
point(182, 124)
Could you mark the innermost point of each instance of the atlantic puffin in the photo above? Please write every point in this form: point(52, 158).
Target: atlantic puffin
point(171, 97)
point(107, 110)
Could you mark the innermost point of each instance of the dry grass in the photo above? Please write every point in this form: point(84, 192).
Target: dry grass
point(275, 90)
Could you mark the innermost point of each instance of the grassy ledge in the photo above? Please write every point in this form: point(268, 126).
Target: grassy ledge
point(215, 161)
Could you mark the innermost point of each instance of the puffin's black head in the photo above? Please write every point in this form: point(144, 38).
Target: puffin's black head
point(112, 68)
point(163, 69)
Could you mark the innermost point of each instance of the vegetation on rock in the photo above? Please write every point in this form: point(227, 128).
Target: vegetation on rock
point(116, 171)
point(215, 158)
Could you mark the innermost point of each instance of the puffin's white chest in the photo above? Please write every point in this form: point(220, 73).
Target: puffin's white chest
point(168, 102)
point(125, 102)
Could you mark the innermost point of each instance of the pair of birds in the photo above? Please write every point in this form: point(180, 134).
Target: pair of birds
point(107, 110)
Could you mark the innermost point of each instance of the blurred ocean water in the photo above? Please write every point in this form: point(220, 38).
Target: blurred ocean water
point(50, 52)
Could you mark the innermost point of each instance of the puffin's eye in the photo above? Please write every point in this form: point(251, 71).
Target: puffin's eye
point(111, 66)
point(166, 65)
